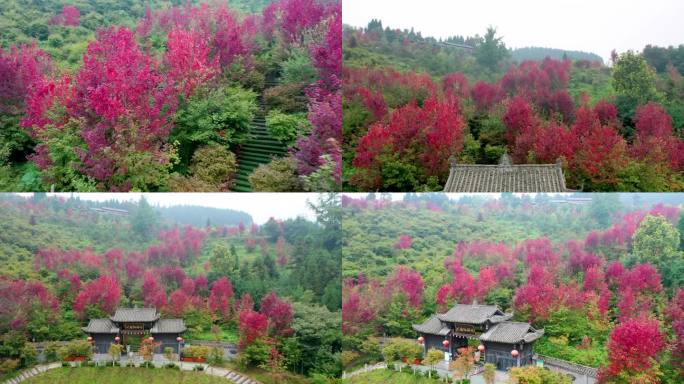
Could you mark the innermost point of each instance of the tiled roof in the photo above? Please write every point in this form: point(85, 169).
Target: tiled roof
point(472, 314)
point(100, 326)
point(505, 177)
point(511, 332)
point(135, 315)
point(431, 326)
point(169, 326)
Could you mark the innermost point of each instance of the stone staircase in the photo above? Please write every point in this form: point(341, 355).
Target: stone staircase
point(230, 375)
point(32, 372)
point(259, 149)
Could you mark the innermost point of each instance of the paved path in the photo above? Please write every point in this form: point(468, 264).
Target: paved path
point(38, 369)
point(230, 375)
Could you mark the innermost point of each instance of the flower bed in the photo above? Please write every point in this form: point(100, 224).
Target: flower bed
point(194, 359)
point(75, 358)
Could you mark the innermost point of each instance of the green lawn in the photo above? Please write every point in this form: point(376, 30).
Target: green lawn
point(382, 376)
point(119, 375)
point(226, 335)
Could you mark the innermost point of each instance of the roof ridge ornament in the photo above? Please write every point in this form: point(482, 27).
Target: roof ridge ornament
point(505, 160)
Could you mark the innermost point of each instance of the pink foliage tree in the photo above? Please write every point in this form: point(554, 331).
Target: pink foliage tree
point(219, 297)
point(407, 282)
point(404, 242)
point(102, 293)
point(252, 326)
point(279, 313)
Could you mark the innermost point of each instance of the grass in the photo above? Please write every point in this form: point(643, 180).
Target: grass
point(226, 335)
point(118, 375)
point(382, 376)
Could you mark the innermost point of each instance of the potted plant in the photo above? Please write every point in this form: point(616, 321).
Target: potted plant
point(195, 354)
point(79, 350)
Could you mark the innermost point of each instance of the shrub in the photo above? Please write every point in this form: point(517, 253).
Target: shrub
point(196, 351)
point(212, 170)
point(222, 115)
point(298, 69)
point(8, 365)
point(75, 348)
point(215, 356)
point(396, 348)
point(256, 354)
point(288, 98)
point(280, 175)
point(50, 352)
point(215, 165)
point(287, 127)
point(168, 353)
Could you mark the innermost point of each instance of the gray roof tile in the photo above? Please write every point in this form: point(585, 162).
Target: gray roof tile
point(135, 315)
point(100, 326)
point(511, 332)
point(506, 177)
point(472, 314)
point(432, 326)
point(169, 326)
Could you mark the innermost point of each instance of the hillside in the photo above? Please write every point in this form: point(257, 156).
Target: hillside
point(65, 262)
point(561, 265)
point(220, 95)
point(475, 101)
point(540, 53)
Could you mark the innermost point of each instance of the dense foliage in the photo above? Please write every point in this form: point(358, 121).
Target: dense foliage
point(602, 278)
point(73, 263)
point(612, 129)
point(137, 98)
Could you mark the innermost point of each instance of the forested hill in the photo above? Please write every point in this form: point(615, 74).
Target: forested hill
point(540, 53)
point(585, 272)
point(199, 216)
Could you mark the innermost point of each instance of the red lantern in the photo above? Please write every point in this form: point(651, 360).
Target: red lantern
point(514, 353)
point(421, 340)
point(117, 339)
point(90, 339)
point(179, 339)
point(151, 338)
point(481, 348)
point(445, 343)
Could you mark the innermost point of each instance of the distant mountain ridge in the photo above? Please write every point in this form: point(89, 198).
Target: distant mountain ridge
point(540, 53)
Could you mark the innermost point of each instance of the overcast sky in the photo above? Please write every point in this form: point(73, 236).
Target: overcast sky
point(597, 26)
point(261, 206)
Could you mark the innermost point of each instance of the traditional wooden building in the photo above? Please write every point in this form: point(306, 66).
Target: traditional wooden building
point(131, 325)
point(505, 177)
point(489, 325)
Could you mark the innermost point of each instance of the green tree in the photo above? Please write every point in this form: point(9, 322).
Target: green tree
point(398, 317)
point(656, 241)
point(115, 350)
point(489, 374)
point(680, 227)
point(222, 262)
point(634, 78)
point(432, 358)
point(491, 51)
point(144, 221)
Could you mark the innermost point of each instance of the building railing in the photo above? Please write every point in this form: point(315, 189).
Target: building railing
point(568, 366)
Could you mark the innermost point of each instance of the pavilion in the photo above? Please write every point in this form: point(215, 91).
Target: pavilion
point(506, 343)
point(130, 325)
